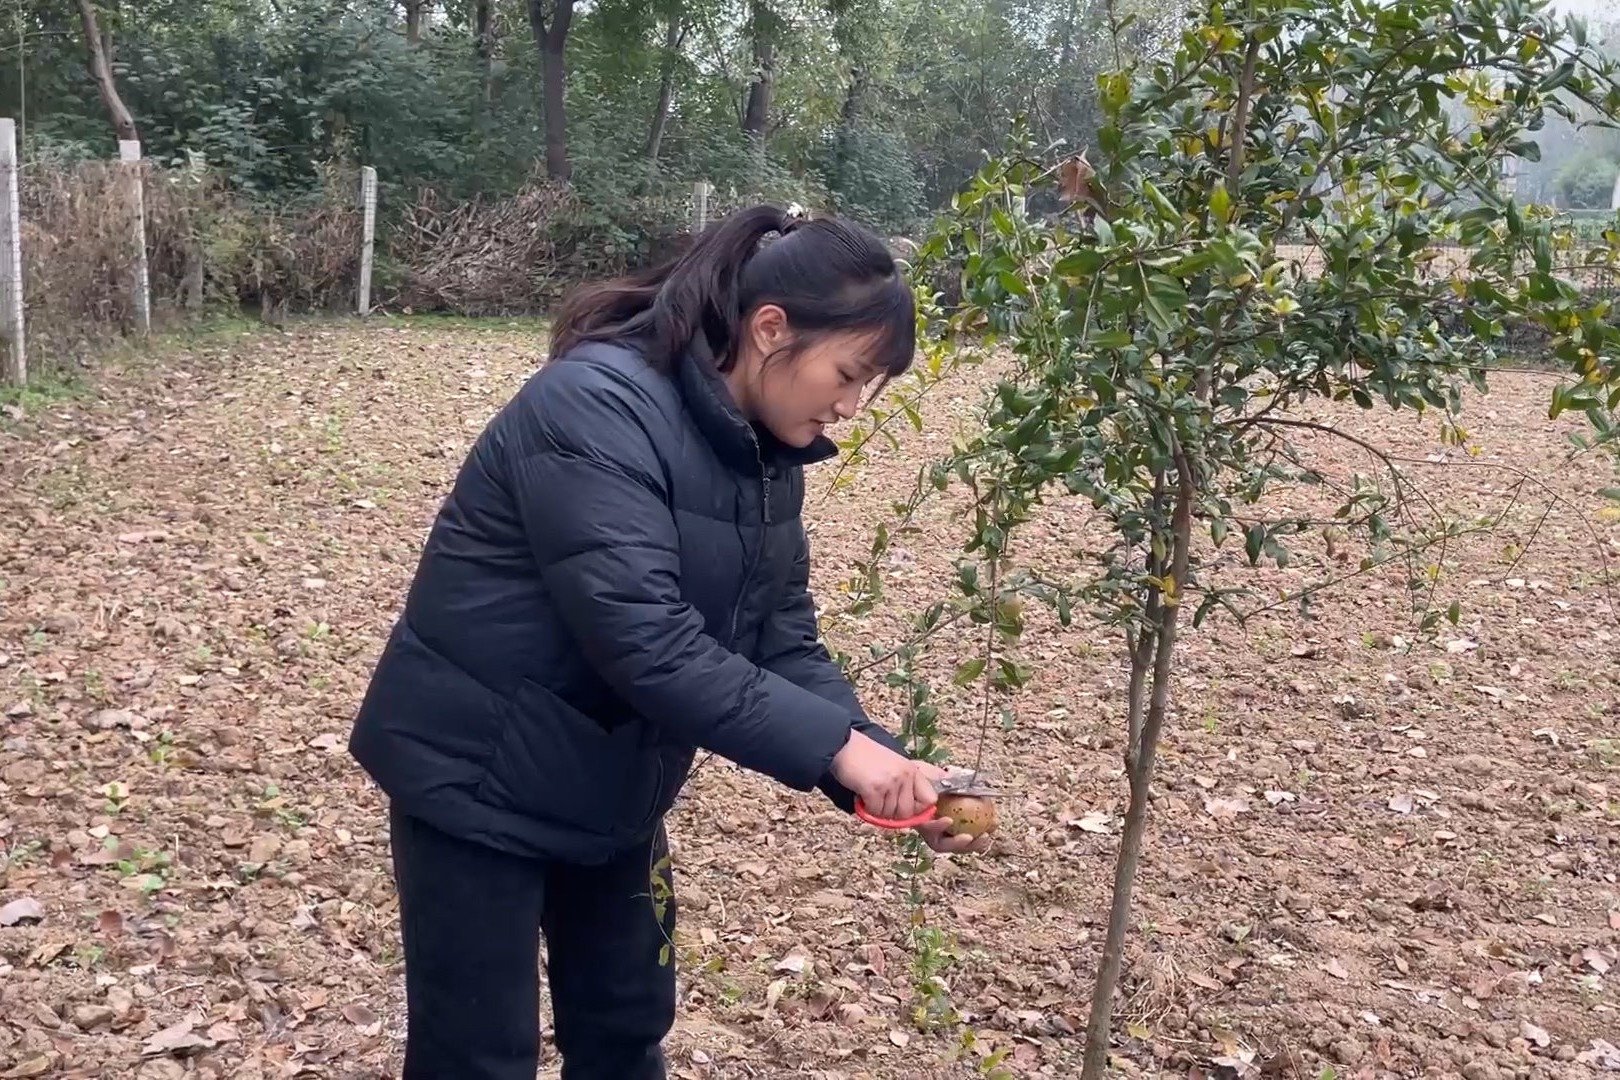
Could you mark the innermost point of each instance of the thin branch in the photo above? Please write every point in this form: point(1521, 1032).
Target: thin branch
point(1554, 497)
point(1240, 116)
point(916, 639)
point(989, 651)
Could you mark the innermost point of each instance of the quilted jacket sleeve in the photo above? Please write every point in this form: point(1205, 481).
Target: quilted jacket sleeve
point(592, 494)
point(790, 646)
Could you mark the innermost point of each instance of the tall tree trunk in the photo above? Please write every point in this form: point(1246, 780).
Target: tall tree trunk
point(483, 28)
point(674, 34)
point(413, 20)
point(849, 119)
point(549, 20)
point(98, 49)
point(757, 113)
point(1068, 36)
point(1155, 644)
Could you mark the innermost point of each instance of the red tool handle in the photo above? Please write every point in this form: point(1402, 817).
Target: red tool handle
point(886, 823)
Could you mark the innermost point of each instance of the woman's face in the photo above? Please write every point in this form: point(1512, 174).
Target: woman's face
point(798, 396)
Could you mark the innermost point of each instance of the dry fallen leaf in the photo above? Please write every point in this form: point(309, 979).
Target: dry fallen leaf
point(23, 909)
point(1402, 804)
point(1334, 968)
point(774, 992)
point(899, 1038)
point(1094, 822)
point(38, 1065)
point(1603, 1054)
point(362, 1018)
point(358, 1014)
point(1222, 808)
point(1535, 1034)
point(794, 963)
point(177, 1038)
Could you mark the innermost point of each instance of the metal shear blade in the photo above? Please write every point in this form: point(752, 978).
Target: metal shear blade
point(964, 782)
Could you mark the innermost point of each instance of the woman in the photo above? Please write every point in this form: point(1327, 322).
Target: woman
point(619, 578)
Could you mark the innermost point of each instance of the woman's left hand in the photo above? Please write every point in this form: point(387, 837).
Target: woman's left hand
point(933, 830)
point(933, 833)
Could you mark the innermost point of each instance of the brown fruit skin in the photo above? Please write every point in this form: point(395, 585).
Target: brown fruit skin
point(971, 815)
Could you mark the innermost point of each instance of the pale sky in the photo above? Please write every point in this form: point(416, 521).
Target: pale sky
point(1589, 8)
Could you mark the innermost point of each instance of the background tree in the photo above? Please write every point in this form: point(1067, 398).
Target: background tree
point(98, 49)
point(881, 108)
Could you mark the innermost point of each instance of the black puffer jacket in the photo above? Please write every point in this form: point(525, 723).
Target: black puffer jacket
point(617, 579)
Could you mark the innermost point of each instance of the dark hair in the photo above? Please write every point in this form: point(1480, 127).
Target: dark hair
point(826, 274)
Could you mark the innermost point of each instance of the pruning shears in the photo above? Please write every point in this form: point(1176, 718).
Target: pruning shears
point(955, 782)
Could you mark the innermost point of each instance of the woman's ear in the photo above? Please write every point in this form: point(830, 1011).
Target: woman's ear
point(768, 329)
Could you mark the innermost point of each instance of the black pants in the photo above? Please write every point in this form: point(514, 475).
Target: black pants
point(471, 918)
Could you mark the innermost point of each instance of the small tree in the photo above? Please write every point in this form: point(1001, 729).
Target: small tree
point(1160, 333)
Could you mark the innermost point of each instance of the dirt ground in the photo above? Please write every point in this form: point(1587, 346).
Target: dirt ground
point(1371, 855)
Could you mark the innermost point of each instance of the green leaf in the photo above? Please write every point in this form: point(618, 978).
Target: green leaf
point(1611, 493)
point(1454, 613)
point(1012, 283)
point(1220, 203)
point(1166, 301)
point(1010, 675)
point(968, 671)
point(1195, 263)
point(1165, 207)
point(1112, 339)
point(1559, 78)
point(1254, 542)
point(1079, 263)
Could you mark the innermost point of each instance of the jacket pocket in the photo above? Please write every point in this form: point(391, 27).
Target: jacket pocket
point(557, 763)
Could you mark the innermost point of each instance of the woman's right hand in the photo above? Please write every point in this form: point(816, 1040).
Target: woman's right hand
point(890, 784)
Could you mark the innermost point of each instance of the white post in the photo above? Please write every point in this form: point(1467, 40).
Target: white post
point(700, 206)
point(14, 363)
point(129, 152)
point(368, 233)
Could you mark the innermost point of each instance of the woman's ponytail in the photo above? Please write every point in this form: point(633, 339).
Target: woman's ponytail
point(668, 304)
point(826, 274)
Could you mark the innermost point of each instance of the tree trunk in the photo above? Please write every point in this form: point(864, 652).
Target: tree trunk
point(757, 113)
point(483, 28)
point(849, 119)
point(101, 70)
point(1157, 640)
point(413, 20)
point(1068, 36)
point(674, 34)
point(549, 20)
